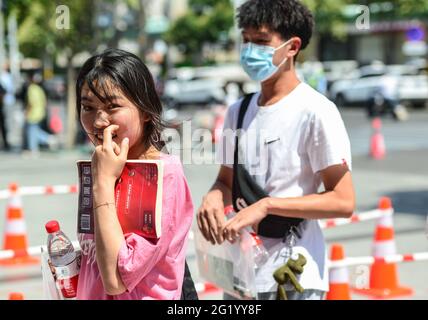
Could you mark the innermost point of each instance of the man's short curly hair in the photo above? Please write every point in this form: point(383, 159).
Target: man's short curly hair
point(290, 18)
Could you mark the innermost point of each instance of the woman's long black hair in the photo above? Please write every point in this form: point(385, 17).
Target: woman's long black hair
point(124, 71)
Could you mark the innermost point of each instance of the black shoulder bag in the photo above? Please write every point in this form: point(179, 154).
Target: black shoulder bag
point(244, 187)
point(188, 291)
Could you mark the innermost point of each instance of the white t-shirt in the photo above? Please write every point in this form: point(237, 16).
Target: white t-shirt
point(284, 146)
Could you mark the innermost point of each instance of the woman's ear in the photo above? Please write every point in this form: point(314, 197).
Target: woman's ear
point(146, 117)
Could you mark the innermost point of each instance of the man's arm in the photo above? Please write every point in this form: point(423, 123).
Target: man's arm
point(338, 201)
point(210, 214)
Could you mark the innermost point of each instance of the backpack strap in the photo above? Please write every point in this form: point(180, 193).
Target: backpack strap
point(242, 110)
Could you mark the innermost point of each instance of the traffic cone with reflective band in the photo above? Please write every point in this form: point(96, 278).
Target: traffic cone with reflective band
point(16, 296)
point(15, 234)
point(377, 142)
point(339, 277)
point(383, 275)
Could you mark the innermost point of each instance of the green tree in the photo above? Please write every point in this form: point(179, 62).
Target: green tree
point(43, 32)
point(58, 28)
point(331, 15)
point(399, 9)
point(207, 22)
point(414, 8)
point(328, 15)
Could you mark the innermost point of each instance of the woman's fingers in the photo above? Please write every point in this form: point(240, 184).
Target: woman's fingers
point(107, 136)
point(116, 148)
point(124, 148)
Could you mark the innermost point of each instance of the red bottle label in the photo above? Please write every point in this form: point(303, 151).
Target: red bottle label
point(69, 287)
point(67, 279)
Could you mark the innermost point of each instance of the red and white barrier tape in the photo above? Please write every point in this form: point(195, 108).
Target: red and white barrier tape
point(363, 216)
point(394, 258)
point(32, 251)
point(331, 223)
point(68, 189)
point(41, 190)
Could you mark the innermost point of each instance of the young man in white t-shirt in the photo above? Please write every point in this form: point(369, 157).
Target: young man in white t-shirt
point(293, 141)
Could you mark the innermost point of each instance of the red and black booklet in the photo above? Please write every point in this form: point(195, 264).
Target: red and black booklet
point(138, 198)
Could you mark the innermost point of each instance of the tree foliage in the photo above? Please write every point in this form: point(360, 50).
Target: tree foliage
point(328, 15)
point(37, 21)
point(208, 21)
point(331, 16)
point(38, 26)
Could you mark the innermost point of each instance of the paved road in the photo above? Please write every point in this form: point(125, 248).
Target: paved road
point(402, 176)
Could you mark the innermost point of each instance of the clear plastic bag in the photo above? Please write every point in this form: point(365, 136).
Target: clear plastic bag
point(229, 266)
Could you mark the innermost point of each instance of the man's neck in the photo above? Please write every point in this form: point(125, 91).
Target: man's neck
point(275, 89)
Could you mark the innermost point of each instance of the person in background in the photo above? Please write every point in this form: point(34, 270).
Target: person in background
point(3, 129)
point(35, 113)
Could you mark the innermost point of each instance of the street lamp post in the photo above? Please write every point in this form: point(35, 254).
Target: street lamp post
point(13, 49)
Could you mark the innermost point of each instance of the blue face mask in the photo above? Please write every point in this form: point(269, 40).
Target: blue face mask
point(257, 60)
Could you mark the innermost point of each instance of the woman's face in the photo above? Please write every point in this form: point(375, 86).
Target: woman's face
point(96, 115)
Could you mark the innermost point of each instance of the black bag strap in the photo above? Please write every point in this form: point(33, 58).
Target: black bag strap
point(246, 188)
point(188, 291)
point(242, 111)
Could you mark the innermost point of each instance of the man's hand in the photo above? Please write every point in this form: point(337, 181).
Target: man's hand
point(210, 217)
point(249, 216)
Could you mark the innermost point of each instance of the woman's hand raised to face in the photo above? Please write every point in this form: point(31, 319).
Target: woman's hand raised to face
point(108, 158)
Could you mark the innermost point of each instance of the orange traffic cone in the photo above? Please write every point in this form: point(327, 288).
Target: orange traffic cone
point(16, 296)
point(383, 275)
point(339, 278)
point(377, 142)
point(15, 237)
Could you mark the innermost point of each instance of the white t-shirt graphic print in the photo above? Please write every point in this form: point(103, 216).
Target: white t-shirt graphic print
point(284, 146)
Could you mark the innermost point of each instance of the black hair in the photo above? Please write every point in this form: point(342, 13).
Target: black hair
point(126, 72)
point(290, 18)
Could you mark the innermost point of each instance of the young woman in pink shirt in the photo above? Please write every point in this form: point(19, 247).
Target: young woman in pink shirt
point(120, 111)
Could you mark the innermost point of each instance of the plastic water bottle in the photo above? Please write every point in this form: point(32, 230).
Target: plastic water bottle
point(261, 255)
point(63, 259)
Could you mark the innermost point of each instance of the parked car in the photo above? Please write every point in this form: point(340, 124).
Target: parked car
point(203, 85)
point(400, 83)
point(178, 92)
point(337, 70)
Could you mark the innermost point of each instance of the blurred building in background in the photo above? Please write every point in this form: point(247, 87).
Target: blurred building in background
point(388, 36)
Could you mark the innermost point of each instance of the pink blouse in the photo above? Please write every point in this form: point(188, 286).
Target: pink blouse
point(149, 271)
